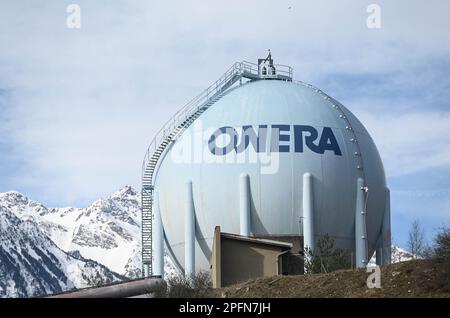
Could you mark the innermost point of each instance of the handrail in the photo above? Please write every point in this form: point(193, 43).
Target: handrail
point(186, 110)
point(238, 68)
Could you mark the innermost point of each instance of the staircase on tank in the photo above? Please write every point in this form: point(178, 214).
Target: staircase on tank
point(174, 128)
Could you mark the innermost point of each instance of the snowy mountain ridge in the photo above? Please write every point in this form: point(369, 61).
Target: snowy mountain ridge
point(31, 264)
point(107, 232)
point(398, 255)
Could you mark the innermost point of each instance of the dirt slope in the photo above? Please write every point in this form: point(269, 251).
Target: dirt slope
point(417, 278)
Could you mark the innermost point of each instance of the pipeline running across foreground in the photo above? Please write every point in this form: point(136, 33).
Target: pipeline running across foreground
point(133, 288)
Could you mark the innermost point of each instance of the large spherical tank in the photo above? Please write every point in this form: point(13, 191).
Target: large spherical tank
point(307, 131)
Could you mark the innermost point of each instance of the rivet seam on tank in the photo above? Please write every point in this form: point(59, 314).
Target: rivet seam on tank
point(353, 138)
point(359, 163)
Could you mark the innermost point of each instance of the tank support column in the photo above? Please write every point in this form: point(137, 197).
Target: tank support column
point(308, 212)
point(383, 255)
point(244, 204)
point(189, 232)
point(360, 224)
point(158, 239)
point(146, 271)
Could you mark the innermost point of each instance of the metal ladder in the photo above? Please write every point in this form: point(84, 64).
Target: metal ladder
point(174, 128)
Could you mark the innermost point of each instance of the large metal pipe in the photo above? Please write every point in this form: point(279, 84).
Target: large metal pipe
point(308, 212)
point(119, 290)
point(189, 232)
point(158, 239)
point(244, 204)
point(360, 224)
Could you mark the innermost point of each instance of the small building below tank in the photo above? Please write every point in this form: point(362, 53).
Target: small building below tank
point(238, 258)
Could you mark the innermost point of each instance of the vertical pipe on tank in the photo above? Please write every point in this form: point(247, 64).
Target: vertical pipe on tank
point(379, 250)
point(383, 254)
point(244, 204)
point(386, 231)
point(360, 224)
point(308, 212)
point(146, 271)
point(189, 232)
point(158, 239)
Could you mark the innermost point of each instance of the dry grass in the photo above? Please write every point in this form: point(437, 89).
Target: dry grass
point(417, 278)
point(179, 286)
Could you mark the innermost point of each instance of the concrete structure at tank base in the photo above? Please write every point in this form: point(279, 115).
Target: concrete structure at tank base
point(238, 258)
point(262, 157)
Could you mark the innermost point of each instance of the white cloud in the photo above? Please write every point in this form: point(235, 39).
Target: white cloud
point(410, 142)
point(85, 103)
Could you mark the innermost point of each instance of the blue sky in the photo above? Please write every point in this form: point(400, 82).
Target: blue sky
point(79, 106)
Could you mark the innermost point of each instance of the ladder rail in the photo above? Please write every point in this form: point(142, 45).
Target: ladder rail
point(190, 107)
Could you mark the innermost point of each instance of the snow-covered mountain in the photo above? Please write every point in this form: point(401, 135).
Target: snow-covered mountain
point(107, 232)
point(400, 255)
point(397, 255)
point(32, 265)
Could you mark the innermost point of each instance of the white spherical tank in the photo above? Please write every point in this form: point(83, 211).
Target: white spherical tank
point(273, 131)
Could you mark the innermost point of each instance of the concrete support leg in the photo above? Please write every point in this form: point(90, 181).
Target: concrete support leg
point(308, 212)
point(244, 204)
point(189, 232)
point(146, 271)
point(379, 251)
point(360, 225)
point(158, 239)
point(386, 231)
point(383, 255)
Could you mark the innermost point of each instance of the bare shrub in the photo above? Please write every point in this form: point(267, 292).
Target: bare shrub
point(442, 246)
point(197, 286)
point(442, 256)
point(416, 241)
